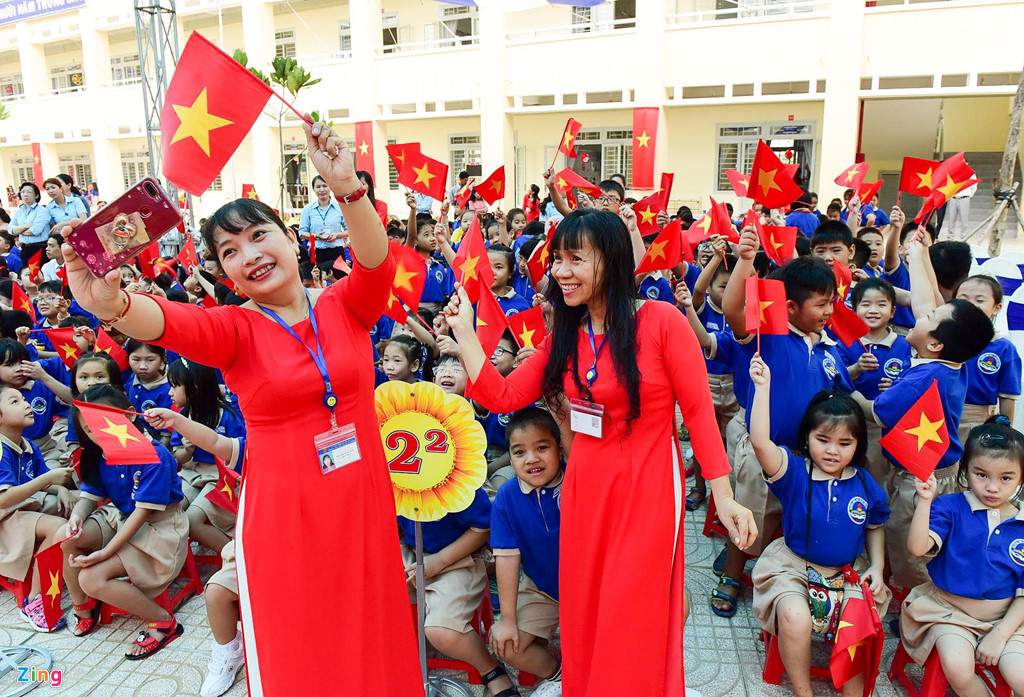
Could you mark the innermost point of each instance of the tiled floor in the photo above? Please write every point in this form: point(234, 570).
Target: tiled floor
point(723, 657)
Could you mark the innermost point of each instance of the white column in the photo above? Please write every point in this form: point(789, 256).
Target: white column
point(367, 32)
point(258, 41)
point(649, 89)
point(36, 80)
point(106, 157)
point(497, 141)
point(841, 113)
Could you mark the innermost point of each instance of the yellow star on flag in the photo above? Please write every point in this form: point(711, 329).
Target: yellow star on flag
point(36, 160)
point(54, 590)
point(642, 139)
point(364, 147)
point(469, 268)
point(561, 184)
point(496, 186)
point(527, 338)
point(647, 216)
point(26, 305)
point(745, 182)
point(403, 277)
point(229, 491)
point(951, 188)
point(841, 291)
point(197, 122)
point(252, 193)
point(119, 431)
point(423, 174)
point(765, 304)
point(927, 431)
point(69, 351)
point(704, 223)
point(772, 242)
point(392, 299)
point(766, 180)
point(854, 171)
point(926, 178)
point(567, 140)
point(657, 250)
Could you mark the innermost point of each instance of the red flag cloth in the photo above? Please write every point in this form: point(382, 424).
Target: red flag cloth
point(424, 175)
point(50, 564)
point(37, 165)
point(364, 146)
point(491, 321)
point(568, 144)
point(104, 344)
point(62, 274)
point(399, 151)
point(537, 263)
point(208, 301)
point(666, 251)
point(21, 301)
point(740, 182)
point(853, 176)
point(844, 280)
point(122, 443)
point(528, 327)
point(866, 192)
point(187, 257)
point(225, 492)
point(492, 189)
point(464, 193)
point(916, 176)
point(920, 438)
point(566, 180)
point(63, 341)
point(311, 248)
point(949, 178)
point(396, 310)
point(766, 307)
point(147, 258)
point(645, 133)
point(410, 275)
point(721, 223)
point(859, 638)
point(779, 243)
point(35, 265)
point(845, 324)
point(666, 188)
point(209, 108)
point(647, 210)
point(249, 192)
point(161, 265)
point(341, 265)
point(471, 265)
point(770, 184)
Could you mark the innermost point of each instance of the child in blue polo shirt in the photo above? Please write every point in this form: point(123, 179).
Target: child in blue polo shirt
point(502, 263)
point(148, 387)
point(993, 378)
point(43, 384)
point(973, 607)
point(833, 241)
point(876, 359)
point(832, 510)
point(142, 534)
point(525, 521)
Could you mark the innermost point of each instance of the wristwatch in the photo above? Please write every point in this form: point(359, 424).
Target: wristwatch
point(353, 197)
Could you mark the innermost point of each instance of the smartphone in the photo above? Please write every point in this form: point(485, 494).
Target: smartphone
point(126, 226)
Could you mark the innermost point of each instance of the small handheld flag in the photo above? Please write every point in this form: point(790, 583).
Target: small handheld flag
point(492, 189)
point(920, 438)
point(225, 491)
point(491, 321)
point(771, 185)
point(567, 146)
point(471, 265)
point(122, 443)
point(528, 327)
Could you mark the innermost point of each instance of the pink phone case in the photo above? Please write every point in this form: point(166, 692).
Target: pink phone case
point(129, 224)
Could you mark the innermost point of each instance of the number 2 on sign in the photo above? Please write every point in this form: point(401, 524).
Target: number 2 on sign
point(406, 461)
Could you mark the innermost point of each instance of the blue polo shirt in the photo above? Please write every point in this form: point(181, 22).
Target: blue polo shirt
point(494, 428)
point(527, 520)
point(440, 282)
point(804, 221)
point(512, 303)
point(691, 273)
point(231, 425)
point(900, 278)
point(147, 396)
point(523, 288)
point(714, 321)
point(382, 330)
point(977, 556)
point(891, 405)
point(38, 217)
point(72, 208)
point(151, 485)
point(995, 373)
point(440, 533)
point(842, 509)
point(892, 352)
point(315, 220)
point(45, 405)
point(657, 288)
point(20, 464)
point(735, 357)
point(13, 259)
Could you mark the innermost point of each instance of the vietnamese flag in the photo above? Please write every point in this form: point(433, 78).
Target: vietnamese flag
point(740, 182)
point(209, 108)
point(566, 180)
point(122, 443)
point(471, 265)
point(463, 194)
point(666, 251)
point(537, 262)
point(844, 280)
point(528, 327)
point(399, 151)
point(766, 307)
point(104, 344)
point(779, 243)
point(21, 301)
point(424, 175)
point(853, 176)
point(493, 188)
point(147, 261)
point(63, 341)
point(364, 146)
point(35, 265)
point(645, 133)
point(770, 183)
point(568, 144)
point(866, 192)
point(187, 257)
point(916, 176)
point(920, 438)
point(410, 275)
point(859, 637)
point(37, 165)
point(721, 223)
point(249, 192)
point(491, 321)
point(395, 309)
point(647, 210)
point(50, 564)
point(845, 324)
point(225, 491)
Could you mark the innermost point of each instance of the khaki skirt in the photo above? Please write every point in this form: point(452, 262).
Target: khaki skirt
point(194, 478)
point(219, 518)
point(878, 464)
point(155, 554)
point(974, 415)
point(930, 612)
point(724, 399)
point(227, 574)
point(454, 595)
point(18, 533)
point(780, 572)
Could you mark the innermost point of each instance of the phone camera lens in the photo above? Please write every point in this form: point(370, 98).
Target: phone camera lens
point(150, 189)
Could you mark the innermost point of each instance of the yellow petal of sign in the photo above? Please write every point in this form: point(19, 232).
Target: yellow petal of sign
point(197, 122)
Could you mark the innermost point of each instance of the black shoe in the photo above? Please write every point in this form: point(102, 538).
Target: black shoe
point(719, 566)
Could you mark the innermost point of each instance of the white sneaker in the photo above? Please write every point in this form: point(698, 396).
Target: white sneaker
point(548, 688)
point(225, 662)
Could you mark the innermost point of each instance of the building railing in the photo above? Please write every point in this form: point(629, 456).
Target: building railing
point(316, 60)
point(592, 28)
point(702, 12)
point(447, 43)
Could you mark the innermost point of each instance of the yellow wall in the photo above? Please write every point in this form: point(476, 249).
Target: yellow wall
point(976, 125)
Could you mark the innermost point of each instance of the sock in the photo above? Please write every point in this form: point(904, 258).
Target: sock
point(557, 677)
point(232, 647)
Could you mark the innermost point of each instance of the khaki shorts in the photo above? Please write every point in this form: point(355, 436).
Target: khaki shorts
point(155, 554)
point(18, 532)
point(494, 482)
point(194, 479)
point(724, 399)
point(878, 465)
point(454, 595)
point(930, 612)
point(974, 415)
point(780, 572)
point(751, 491)
point(227, 574)
point(219, 518)
point(907, 570)
point(536, 611)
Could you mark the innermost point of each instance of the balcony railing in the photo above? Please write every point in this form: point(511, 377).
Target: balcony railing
point(316, 60)
point(454, 42)
point(593, 28)
point(702, 11)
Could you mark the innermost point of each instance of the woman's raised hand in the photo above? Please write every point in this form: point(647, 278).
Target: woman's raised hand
point(100, 296)
point(330, 157)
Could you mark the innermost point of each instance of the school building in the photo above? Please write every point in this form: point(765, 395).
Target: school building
point(489, 85)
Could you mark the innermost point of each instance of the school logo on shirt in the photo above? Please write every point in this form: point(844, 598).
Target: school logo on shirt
point(439, 275)
point(652, 292)
point(511, 311)
point(1017, 551)
point(38, 405)
point(503, 419)
point(893, 367)
point(135, 483)
point(829, 364)
point(857, 509)
point(148, 404)
point(989, 363)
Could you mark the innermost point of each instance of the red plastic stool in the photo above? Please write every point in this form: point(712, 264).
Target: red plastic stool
point(899, 594)
point(712, 525)
point(934, 683)
point(527, 679)
point(483, 618)
point(774, 668)
point(165, 600)
point(19, 588)
point(210, 559)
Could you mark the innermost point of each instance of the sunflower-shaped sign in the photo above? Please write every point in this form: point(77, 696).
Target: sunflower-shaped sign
point(434, 447)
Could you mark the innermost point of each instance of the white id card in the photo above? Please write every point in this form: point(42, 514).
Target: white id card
point(586, 417)
point(337, 448)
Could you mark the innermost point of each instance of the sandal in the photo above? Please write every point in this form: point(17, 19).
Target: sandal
point(731, 600)
point(696, 497)
point(170, 629)
point(84, 626)
point(497, 674)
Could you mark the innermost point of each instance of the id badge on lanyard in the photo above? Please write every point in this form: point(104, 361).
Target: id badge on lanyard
point(588, 417)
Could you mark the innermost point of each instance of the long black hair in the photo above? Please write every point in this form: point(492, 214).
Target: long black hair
point(92, 454)
point(367, 178)
point(202, 391)
point(608, 236)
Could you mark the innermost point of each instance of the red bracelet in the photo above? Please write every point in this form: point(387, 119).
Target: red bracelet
point(120, 316)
